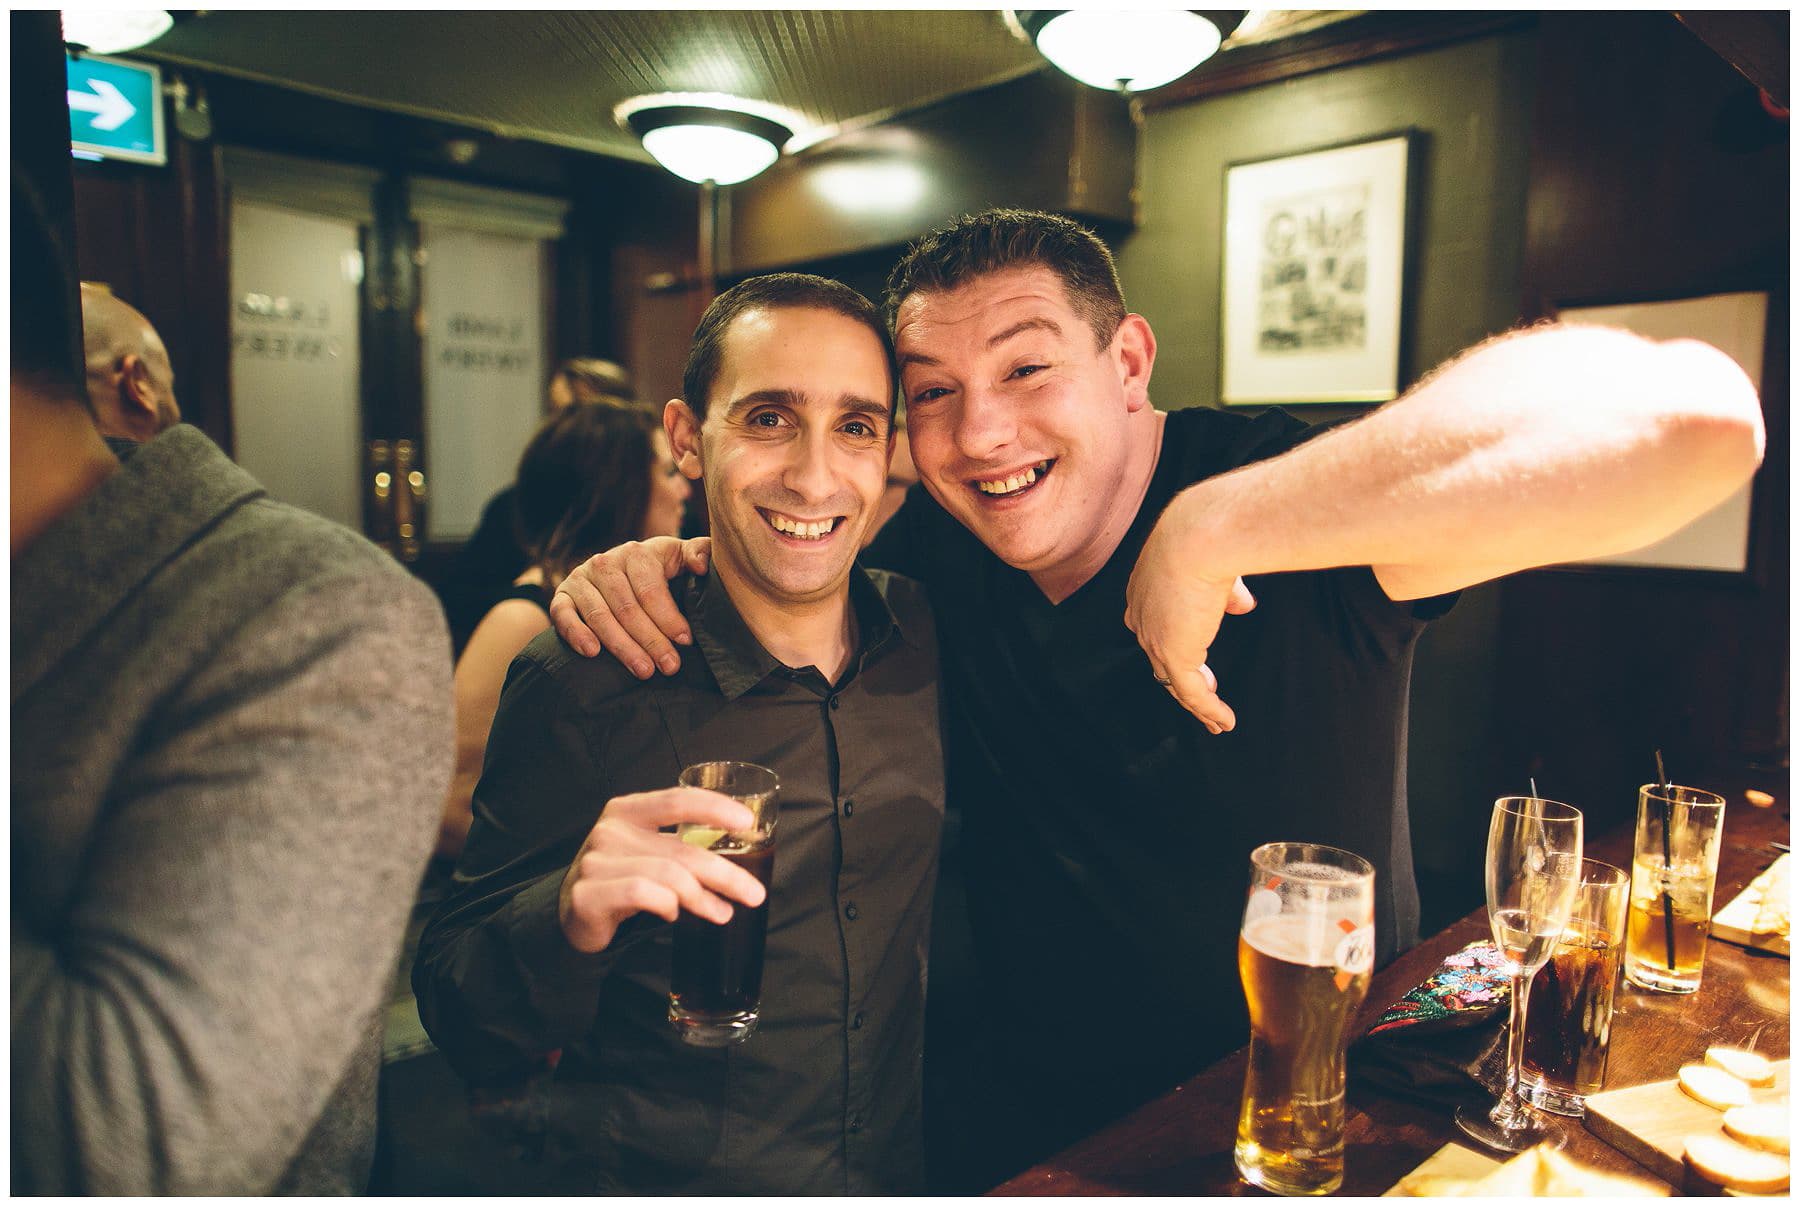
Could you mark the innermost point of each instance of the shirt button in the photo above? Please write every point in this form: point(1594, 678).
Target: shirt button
point(850, 911)
point(849, 808)
point(855, 1124)
point(856, 1023)
point(836, 704)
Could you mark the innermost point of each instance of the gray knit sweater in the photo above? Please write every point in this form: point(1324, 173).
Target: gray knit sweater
point(231, 736)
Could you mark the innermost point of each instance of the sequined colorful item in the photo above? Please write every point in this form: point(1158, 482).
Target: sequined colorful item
point(1466, 988)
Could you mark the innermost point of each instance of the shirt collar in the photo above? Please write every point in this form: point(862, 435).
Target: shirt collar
point(737, 659)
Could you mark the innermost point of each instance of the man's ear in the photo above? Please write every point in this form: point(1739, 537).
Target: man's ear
point(136, 393)
point(138, 411)
point(1134, 352)
point(683, 429)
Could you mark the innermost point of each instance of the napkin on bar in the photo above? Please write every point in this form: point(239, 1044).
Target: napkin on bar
point(1445, 1041)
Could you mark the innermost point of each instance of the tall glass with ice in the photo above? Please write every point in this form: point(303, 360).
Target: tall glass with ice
point(1675, 861)
point(1305, 954)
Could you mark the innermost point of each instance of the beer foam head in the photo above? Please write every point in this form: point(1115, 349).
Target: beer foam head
point(1319, 873)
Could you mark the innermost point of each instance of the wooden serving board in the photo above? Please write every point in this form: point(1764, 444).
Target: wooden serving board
point(1651, 1123)
point(1733, 923)
point(1455, 1160)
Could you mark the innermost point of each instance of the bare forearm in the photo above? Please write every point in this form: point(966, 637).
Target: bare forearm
point(1543, 447)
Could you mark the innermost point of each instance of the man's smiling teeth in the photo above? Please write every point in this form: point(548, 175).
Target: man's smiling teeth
point(1019, 481)
point(806, 531)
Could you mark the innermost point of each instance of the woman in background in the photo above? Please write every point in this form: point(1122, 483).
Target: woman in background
point(595, 475)
point(492, 556)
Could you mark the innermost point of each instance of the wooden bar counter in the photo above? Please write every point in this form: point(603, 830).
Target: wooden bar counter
point(1181, 1143)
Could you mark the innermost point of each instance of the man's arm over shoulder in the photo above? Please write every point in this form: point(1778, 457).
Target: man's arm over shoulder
point(243, 904)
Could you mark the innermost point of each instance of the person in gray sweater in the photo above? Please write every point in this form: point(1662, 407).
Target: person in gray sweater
point(231, 733)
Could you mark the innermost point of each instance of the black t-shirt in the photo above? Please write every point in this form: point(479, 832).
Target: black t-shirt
point(1106, 834)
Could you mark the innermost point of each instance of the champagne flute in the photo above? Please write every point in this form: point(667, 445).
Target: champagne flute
point(1533, 869)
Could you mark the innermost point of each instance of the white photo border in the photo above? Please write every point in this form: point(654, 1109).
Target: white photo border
point(1251, 374)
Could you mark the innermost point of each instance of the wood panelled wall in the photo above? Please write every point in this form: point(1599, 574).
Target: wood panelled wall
point(157, 236)
point(1656, 173)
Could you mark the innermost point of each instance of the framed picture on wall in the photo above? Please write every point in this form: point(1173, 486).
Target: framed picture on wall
point(1314, 275)
point(1737, 325)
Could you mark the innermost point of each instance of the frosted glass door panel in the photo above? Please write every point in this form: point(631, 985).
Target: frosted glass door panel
point(295, 357)
point(484, 368)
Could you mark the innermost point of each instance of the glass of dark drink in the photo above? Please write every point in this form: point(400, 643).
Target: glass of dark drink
point(1569, 1019)
point(715, 982)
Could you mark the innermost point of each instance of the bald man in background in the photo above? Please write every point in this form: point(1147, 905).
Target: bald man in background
point(129, 378)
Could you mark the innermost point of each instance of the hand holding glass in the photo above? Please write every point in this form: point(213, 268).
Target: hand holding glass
point(1533, 868)
point(715, 981)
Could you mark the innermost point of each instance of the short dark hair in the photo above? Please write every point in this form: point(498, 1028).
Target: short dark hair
point(776, 291)
point(975, 245)
point(46, 334)
point(584, 483)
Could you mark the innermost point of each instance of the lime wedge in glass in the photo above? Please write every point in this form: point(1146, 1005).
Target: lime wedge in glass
point(701, 836)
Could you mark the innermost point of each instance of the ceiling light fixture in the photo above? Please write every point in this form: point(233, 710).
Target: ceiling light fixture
point(1127, 51)
point(703, 143)
point(112, 32)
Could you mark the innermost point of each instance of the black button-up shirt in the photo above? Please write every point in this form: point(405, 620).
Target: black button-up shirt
point(825, 1097)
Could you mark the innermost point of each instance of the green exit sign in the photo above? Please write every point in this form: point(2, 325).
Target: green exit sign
point(115, 109)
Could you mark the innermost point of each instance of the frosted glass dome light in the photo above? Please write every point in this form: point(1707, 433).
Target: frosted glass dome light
point(1129, 51)
point(701, 144)
point(113, 31)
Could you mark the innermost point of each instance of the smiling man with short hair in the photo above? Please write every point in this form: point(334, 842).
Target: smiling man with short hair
point(556, 932)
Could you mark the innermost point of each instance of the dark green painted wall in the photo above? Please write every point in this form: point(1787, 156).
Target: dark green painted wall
point(1472, 105)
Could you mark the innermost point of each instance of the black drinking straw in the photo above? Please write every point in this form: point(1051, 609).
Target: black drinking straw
point(1668, 819)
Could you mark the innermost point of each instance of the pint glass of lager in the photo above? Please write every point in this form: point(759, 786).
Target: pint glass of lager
point(1305, 954)
point(715, 978)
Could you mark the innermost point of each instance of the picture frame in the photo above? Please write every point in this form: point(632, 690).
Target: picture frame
point(1314, 274)
point(1719, 541)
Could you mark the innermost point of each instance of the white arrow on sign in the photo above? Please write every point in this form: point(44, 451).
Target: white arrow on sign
point(108, 105)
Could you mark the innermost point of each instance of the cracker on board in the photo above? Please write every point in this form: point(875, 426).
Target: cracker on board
point(1773, 905)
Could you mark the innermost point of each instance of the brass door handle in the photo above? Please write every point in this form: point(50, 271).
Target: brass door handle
point(379, 510)
point(409, 502)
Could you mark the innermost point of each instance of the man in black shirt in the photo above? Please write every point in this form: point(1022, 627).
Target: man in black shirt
point(1103, 571)
point(551, 939)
